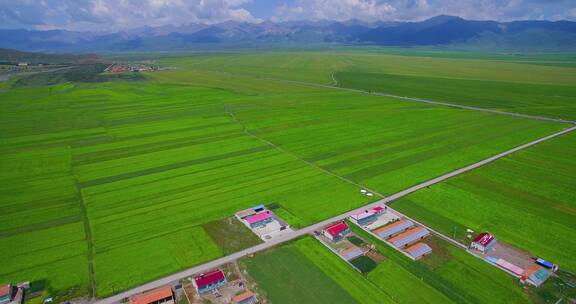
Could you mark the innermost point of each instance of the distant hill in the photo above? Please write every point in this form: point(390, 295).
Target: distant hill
point(437, 31)
point(15, 56)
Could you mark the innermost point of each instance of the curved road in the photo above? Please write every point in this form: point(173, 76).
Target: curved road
point(174, 278)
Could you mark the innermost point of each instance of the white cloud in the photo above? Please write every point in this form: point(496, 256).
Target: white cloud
point(388, 10)
point(101, 15)
point(369, 10)
point(105, 15)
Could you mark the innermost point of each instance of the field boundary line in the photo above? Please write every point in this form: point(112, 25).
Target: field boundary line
point(421, 100)
point(88, 237)
point(174, 278)
point(247, 132)
point(474, 166)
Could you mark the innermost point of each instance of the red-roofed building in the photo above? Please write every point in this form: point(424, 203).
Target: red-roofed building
point(336, 231)
point(162, 295)
point(483, 242)
point(418, 251)
point(119, 70)
point(5, 293)
point(246, 297)
point(209, 281)
point(379, 210)
point(260, 219)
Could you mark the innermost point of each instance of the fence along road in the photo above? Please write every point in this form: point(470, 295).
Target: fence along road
point(310, 229)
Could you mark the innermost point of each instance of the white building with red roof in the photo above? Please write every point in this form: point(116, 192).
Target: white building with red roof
point(483, 242)
point(337, 231)
point(209, 281)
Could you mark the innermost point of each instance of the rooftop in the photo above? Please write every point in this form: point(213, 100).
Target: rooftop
point(336, 229)
point(152, 296)
point(362, 215)
point(395, 224)
point(4, 290)
point(407, 234)
point(243, 296)
point(531, 269)
point(417, 247)
point(206, 279)
point(259, 207)
point(258, 217)
point(484, 239)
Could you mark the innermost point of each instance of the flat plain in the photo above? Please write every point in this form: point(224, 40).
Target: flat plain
point(122, 173)
point(508, 83)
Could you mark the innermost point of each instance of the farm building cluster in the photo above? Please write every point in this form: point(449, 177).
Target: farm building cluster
point(400, 233)
point(263, 222)
point(529, 270)
point(131, 67)
point(23, 67)
point(209, 287)
point(339, 238)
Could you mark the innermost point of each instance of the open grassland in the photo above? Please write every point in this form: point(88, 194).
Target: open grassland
point(287, 276)
point(526, 199)
point(123, 177)
point(449, 275)
point(221, 230)
point(503, 84)
point(317, 66)
point(380, 143)
point(550, 100)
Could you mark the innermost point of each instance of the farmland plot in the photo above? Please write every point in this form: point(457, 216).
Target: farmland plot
point(526, 199)
point(449, 275)
point(126, 174)
point(382, 143)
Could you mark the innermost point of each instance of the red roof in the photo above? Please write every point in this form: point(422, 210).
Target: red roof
point(243, 296)
point(258, 217)
point(152, 296)
point(405, 234)
point(336, 229)
point(484, 239)
point(388, 227)
point(4, 290)
point(379, 208)
point(206, 279)
point(415, 247)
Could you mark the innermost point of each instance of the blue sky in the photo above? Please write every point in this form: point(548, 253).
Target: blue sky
point(114, 15)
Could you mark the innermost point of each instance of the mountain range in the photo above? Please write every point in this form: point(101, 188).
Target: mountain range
point(437, 31)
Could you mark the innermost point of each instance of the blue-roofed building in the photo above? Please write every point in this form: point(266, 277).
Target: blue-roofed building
point(418, 251)
point(351, 253)
point(394, 228)
point(259, 208)
point(364, 218)
point(409, 237)
point(536, 275)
